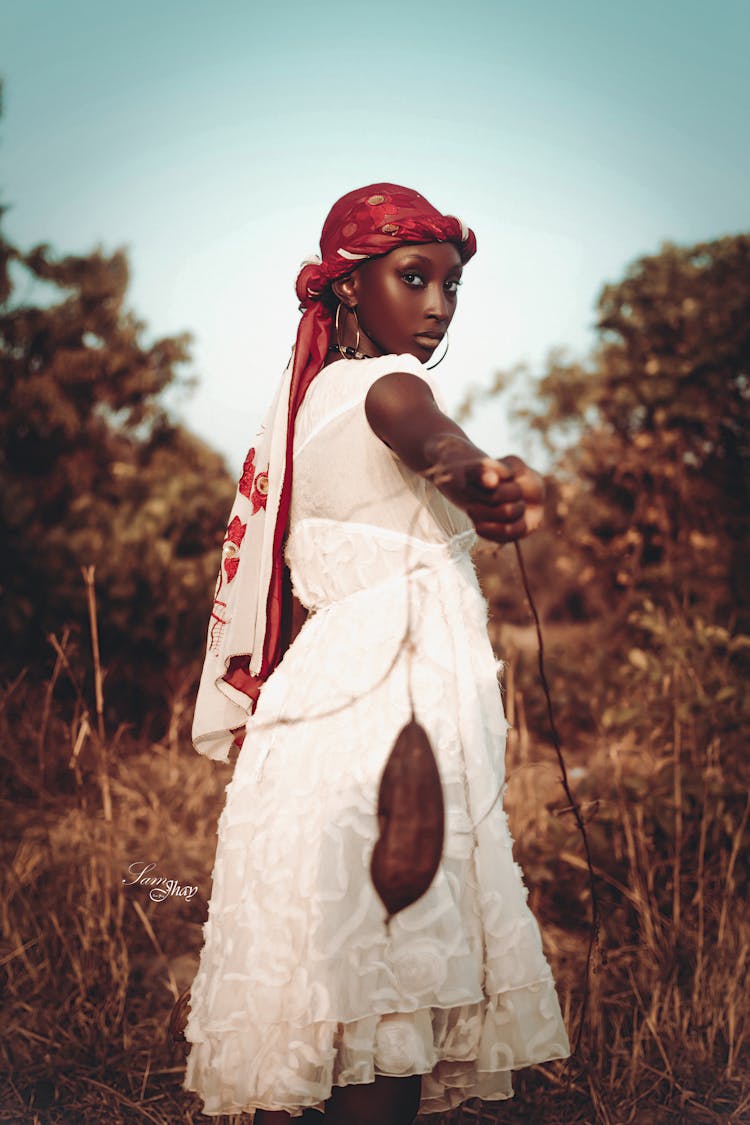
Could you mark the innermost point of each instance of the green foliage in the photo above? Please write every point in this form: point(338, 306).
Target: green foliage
point(94, 472)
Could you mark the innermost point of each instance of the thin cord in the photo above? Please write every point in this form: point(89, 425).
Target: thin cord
point(574, 808)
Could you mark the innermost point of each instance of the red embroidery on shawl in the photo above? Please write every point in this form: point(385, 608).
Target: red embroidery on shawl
point(248, 472)
point(231, 550)
point(217, 622)
point(255, 488)
point(260, 492)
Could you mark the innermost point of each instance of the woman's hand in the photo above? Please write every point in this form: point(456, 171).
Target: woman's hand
point(532, 490)
point(504, 498)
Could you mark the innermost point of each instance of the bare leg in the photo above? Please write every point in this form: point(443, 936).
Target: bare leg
point(281, 1117)
point(387, 1099)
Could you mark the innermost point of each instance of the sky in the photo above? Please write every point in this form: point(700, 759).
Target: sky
point(210, 141)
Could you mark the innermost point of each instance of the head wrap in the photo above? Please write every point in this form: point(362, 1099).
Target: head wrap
point(245, 630)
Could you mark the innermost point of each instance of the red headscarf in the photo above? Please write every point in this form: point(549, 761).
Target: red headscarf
point(365, 223)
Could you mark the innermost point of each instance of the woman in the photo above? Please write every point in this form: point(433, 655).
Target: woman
point(304, 1000)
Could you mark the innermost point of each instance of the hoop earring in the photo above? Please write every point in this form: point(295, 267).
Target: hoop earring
point(347, 351)
point(431, 366)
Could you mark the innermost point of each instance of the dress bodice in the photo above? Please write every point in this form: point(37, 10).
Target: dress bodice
point(345, 537)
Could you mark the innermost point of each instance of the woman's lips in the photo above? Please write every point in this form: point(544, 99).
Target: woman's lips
point(428, 339)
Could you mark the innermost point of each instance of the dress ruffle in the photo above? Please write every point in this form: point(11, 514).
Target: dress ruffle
point(466, 1051)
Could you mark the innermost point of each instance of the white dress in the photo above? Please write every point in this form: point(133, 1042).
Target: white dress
point(300, 986)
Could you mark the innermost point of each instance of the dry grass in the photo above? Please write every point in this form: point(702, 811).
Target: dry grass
point(92, 967)
point(666, 1034)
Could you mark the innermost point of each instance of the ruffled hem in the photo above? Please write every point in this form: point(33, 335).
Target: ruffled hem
point(461, 1052)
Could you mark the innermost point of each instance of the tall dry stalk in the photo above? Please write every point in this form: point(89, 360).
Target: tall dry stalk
point(668, 1040)
point(88, 578)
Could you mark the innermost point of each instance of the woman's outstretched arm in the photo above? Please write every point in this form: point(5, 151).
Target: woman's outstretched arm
point(503, 497)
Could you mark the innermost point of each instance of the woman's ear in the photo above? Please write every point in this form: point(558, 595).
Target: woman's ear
point(344, 288)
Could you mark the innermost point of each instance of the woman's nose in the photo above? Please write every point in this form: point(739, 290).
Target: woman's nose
point(438, 304)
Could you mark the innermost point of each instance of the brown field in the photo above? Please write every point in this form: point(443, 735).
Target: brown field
point(93, 967)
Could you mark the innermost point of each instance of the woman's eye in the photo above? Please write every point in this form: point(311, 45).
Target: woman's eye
point(416, 281)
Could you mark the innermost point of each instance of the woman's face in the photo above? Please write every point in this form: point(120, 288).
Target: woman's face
point(406, 299)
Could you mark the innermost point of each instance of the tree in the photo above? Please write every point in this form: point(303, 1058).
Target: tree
point(652, 431)
point(94, 471)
